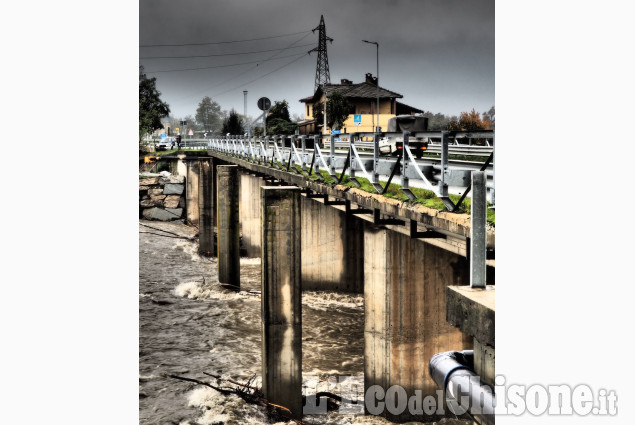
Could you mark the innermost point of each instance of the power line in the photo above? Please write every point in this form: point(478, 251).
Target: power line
point(262, 76)
point(222, 66)
point(223, 42)
point(247, 70)
point(225, 54)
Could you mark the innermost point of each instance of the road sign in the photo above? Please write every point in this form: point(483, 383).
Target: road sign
point(357, 119)
point(336, 132)
point(264, 103)
point(191, 133)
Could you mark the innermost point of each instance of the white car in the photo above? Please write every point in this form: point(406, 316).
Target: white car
point(166, 143)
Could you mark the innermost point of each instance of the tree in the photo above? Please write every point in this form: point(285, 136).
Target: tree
point(233, 124)
point(151, 107)
point(337, 110)
point(491, 114)
point(209, 115)
point(470, 121)
point(278, 119)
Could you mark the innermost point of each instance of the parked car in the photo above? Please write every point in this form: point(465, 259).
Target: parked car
point(166, 143)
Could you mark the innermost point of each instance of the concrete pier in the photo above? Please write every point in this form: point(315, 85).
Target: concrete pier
point(282, 297)
point(334, 244)
point(228, 225)
point(404, 303)
point(206, 195)
point(191, 192)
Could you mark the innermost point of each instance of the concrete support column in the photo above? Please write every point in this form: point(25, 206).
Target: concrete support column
point(282, 297)
point(228, 225)
point(191, 192)
point(206, 192)
point(404, 303)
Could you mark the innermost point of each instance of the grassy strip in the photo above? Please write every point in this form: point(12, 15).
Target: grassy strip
point(176, 151)
point(425, 197)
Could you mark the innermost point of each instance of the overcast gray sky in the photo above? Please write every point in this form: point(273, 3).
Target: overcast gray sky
point(439, 54)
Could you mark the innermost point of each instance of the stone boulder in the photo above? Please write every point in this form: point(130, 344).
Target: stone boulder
point(148, 181)
point(171, 201)
point(159, 214)
point(173, 189)
point(148, 203)
point(172, 179)
point(176, 212)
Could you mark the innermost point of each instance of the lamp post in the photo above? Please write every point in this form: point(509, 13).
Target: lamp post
point(376, 44)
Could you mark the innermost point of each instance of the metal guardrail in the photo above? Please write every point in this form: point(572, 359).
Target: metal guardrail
point(283, 152)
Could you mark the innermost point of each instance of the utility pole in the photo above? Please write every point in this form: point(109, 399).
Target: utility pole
point(245, 114)
point(376, 44)
point(322, 74)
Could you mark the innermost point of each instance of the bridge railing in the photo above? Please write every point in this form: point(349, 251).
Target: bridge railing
point(289, 151)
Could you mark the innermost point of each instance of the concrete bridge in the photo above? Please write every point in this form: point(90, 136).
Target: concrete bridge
point(411, 263)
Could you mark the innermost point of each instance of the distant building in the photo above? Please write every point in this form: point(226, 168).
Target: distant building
point(363, 97)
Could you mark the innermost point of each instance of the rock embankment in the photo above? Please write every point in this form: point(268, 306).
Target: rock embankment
point(161, 197)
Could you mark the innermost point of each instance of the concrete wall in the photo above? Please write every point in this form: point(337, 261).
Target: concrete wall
point(404, 302)
point(250, 212)
point(332, 249)
point(332, 243)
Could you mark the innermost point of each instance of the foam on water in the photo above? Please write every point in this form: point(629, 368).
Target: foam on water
point(218, 408)
point(200, 290)
point(322, 300)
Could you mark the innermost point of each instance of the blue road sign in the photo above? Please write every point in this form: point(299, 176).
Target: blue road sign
point(336, 132)
point(357, 119)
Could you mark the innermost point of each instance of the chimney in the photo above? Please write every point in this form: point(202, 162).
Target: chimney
point(370, 79)
point(346, 82)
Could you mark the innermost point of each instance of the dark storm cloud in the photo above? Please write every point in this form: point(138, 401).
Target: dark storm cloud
point(438, 53)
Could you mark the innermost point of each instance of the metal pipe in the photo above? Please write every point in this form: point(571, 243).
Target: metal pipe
point(453, 372)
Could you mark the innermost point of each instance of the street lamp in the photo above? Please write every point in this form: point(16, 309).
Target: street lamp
point(376, 44)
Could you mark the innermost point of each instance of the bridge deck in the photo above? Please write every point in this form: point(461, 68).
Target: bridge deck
point(456, 227)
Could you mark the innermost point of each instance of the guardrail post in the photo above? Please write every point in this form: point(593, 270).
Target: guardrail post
point(493, 191)
point(405, 181)
point(303, 144)
point(375, 159)
point(351, 142)
point(442, 186)
point(316, 165)
point(332, 157)
point(478, 233)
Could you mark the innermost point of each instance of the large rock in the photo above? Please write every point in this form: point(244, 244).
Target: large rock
point(172, 179)
point(148, 181)
point(173, 189)
point(155, 192)
point(148, 203)
point(176, 212)
point(158, 214)
point(171, 201)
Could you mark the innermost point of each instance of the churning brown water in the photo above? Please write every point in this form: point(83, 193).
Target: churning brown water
point(189, 324)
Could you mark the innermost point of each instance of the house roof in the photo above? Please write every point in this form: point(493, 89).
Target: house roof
point(402, 108)
point(363, 90)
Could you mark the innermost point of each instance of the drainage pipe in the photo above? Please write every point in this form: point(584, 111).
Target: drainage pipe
point(464, 392)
